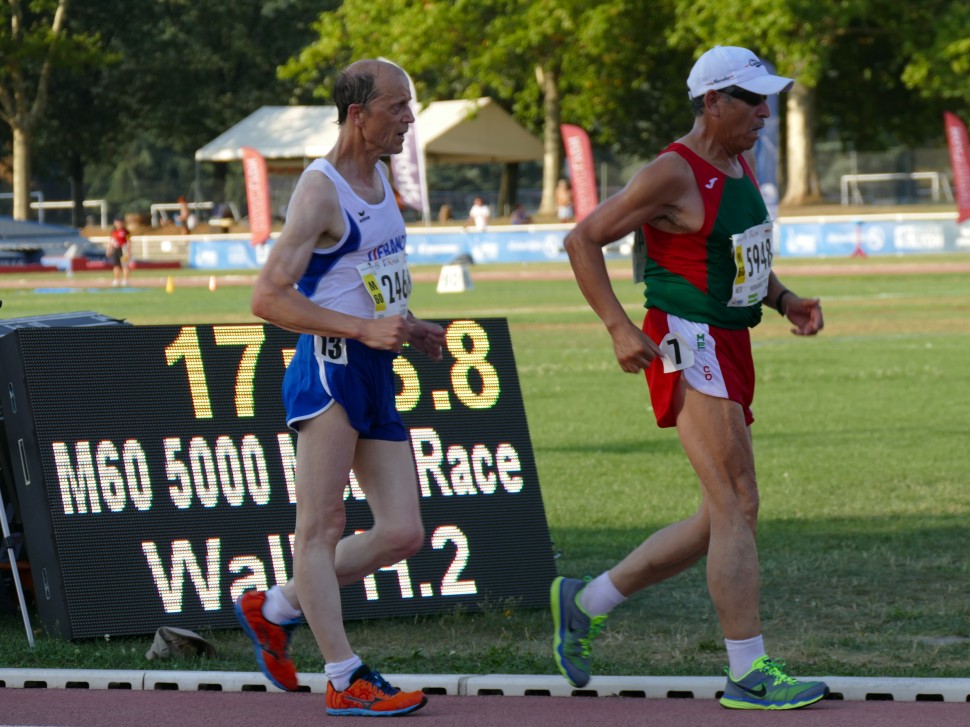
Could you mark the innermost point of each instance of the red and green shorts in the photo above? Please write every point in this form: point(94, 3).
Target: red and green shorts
point(723, 366)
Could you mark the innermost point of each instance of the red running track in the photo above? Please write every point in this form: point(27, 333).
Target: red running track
point(122, 708)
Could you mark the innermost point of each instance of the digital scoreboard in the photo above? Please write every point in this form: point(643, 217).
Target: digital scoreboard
point(154, 474)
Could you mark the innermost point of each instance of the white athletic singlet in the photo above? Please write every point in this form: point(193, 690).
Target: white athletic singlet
point(365, 273)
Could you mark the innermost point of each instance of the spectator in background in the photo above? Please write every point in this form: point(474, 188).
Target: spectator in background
point(564, 201)
point(186, 220)
point(118, 252)
point(222, 211)
point(520, 216)
point(479, 215)
point(222, 217)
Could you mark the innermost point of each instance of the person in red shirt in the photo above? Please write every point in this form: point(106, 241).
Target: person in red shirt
point(705, 239)
point(118, 252)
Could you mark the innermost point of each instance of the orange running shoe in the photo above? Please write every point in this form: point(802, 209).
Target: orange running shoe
point(271, 641)
point(369, 695)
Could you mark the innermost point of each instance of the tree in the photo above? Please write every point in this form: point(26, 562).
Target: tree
point(794, 36)
point(33, 41)
point(135, 88)
point(545, 60)
point(864, 101)
point(586, 69)
point(176, 75)
point(872, 58)
point(938, 52)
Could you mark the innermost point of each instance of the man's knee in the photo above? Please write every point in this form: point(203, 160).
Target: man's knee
point(402, 540)
point(325, 528)
point(734, 500)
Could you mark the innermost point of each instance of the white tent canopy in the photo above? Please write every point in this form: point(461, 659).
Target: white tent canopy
point(478, 131)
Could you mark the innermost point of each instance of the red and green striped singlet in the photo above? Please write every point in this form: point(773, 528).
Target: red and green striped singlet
point(691, 275)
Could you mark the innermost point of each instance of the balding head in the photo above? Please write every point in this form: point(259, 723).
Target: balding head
point(360, 82)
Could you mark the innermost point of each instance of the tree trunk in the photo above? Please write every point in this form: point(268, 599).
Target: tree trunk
point(508, 188)
point(21, 173)
point(801, 178)
point(552, 137)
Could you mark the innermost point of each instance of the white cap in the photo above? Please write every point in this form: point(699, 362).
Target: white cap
point(725, 65)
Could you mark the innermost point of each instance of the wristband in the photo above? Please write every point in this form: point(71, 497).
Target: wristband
point(780, 298)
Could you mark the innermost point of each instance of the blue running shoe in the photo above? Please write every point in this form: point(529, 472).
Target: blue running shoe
point(574, 630)
point(766, 686)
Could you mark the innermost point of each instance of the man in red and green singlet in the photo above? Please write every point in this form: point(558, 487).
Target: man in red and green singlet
point(704, 251)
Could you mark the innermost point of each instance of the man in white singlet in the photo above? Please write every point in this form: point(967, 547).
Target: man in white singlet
point(338, 275)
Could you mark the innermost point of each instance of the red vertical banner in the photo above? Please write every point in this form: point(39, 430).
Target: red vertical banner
point(257, 196)
point(956, 139)
point(579, 156)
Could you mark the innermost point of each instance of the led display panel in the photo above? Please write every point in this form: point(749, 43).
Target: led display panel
point(155, 475)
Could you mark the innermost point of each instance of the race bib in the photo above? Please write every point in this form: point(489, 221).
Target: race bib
point(388, 282)
point(677, 353)
point(752, 258)
point(332, 349)
point(639, 256)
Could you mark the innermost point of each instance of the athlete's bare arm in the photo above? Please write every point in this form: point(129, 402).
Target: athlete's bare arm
point(315, 220)
point(664, 194)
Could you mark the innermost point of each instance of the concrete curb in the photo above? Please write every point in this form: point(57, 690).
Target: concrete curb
point(898, 689)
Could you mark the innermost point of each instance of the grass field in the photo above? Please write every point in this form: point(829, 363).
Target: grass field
point(861, 440)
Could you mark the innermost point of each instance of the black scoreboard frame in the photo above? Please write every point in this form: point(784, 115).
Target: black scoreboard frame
point(153, 473)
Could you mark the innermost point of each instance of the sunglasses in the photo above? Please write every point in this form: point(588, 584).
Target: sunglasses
point(749, 97)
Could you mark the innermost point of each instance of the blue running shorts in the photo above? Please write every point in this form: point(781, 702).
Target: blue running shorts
point(343, 370)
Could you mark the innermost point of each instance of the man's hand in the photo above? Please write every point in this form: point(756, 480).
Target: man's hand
point(805, 314)
point(426, 337)
point(634, 349)
point(388, 334)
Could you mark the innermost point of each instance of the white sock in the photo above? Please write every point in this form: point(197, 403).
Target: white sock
point(277, 609)
point(743, 654)
point(600, 595)
point(339, 672)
